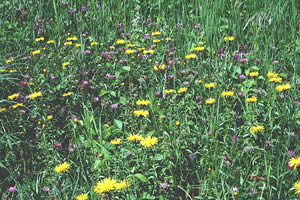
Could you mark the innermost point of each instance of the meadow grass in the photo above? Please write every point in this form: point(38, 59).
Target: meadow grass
point(157, 99)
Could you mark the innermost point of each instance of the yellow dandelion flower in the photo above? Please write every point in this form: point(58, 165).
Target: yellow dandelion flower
point(162, 67)
point(130, 45)
point(253, 74)
point(141, 49)
point(135, 137)
point(129, 51)
point(177, 123)
point(227, 94)
point(116, 141)
point(67, 94)
point(9, 61)
point(156, 33)
point(210, 85)
point(283, 87)
point(297, 187)
point(12, 71)
point(77, 45)
point(49, 117)
point(276, 80)
point(18, 105)
point(150, 51)
point(155, 68)
point(294, 162)
point(39, 39)
point(142, 102)
point(62, 167)
point(82, 196)
point(36, 52)
point(35, 95)
point(199, 49)
point(190, 56)
point(149, 141)
point(94, 44)
point(13, 96)
point(230, 38)
point(170, 91)
point(120, 41)
point(72, 38)
point(121, 185)
point(182, 90)
point(210, 101)
point(106, 185)
point(141, 113)
point(2, 109)
point(68, 43)
point(168, 39)
point(256, 129)
point(272, 75)
point(2, 70)
point(65, 64)
point(251, 99)
point(50, 42)
point(156, 41)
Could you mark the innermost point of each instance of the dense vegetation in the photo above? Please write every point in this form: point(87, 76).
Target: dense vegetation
point(137, 99)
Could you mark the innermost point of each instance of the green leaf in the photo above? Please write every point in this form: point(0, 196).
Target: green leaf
point(118, 124)
point(102, 92)
point(142, 177)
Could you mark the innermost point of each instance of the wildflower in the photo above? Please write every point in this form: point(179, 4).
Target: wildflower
point(121, 185)
point(2, 109)
point(67, 94)
point(12, 189)
point(190, 56)
point(46, 189)
point(150, 51)
point(227, 94)
point(276, 80)
point(251, 99)
point(11, 97)
point(256, 129)
point(253, 74)
point(168, 39)
point(62, 167)
point(297, 187)
point(156, 41)
point(18, 105)
point(35, 52)
point(12, 71)
point(50, 42)
point(143, 102)
point(35, 95)
point(294, 162)
point(199, 49)
point(162, 67)
point(82, 196)
point(149, 141)
point(139, 113)
point(94, 44)
point(72, 38)
point(116, 141)
point(170, 91)
point(129, 51)
point(272, 75)
point(177, 123)
point(65, 64)
point(230, 38)
point(39, 39)
point(49, 117)
point(9, 61)
point(156, 33)
point(155, 68)
point(210, 85)
point(135, 137)
point(210, 101)
point(283, 87)
point(182, 90)
point(120, 41)
point(106, 185)
point(100, 155)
